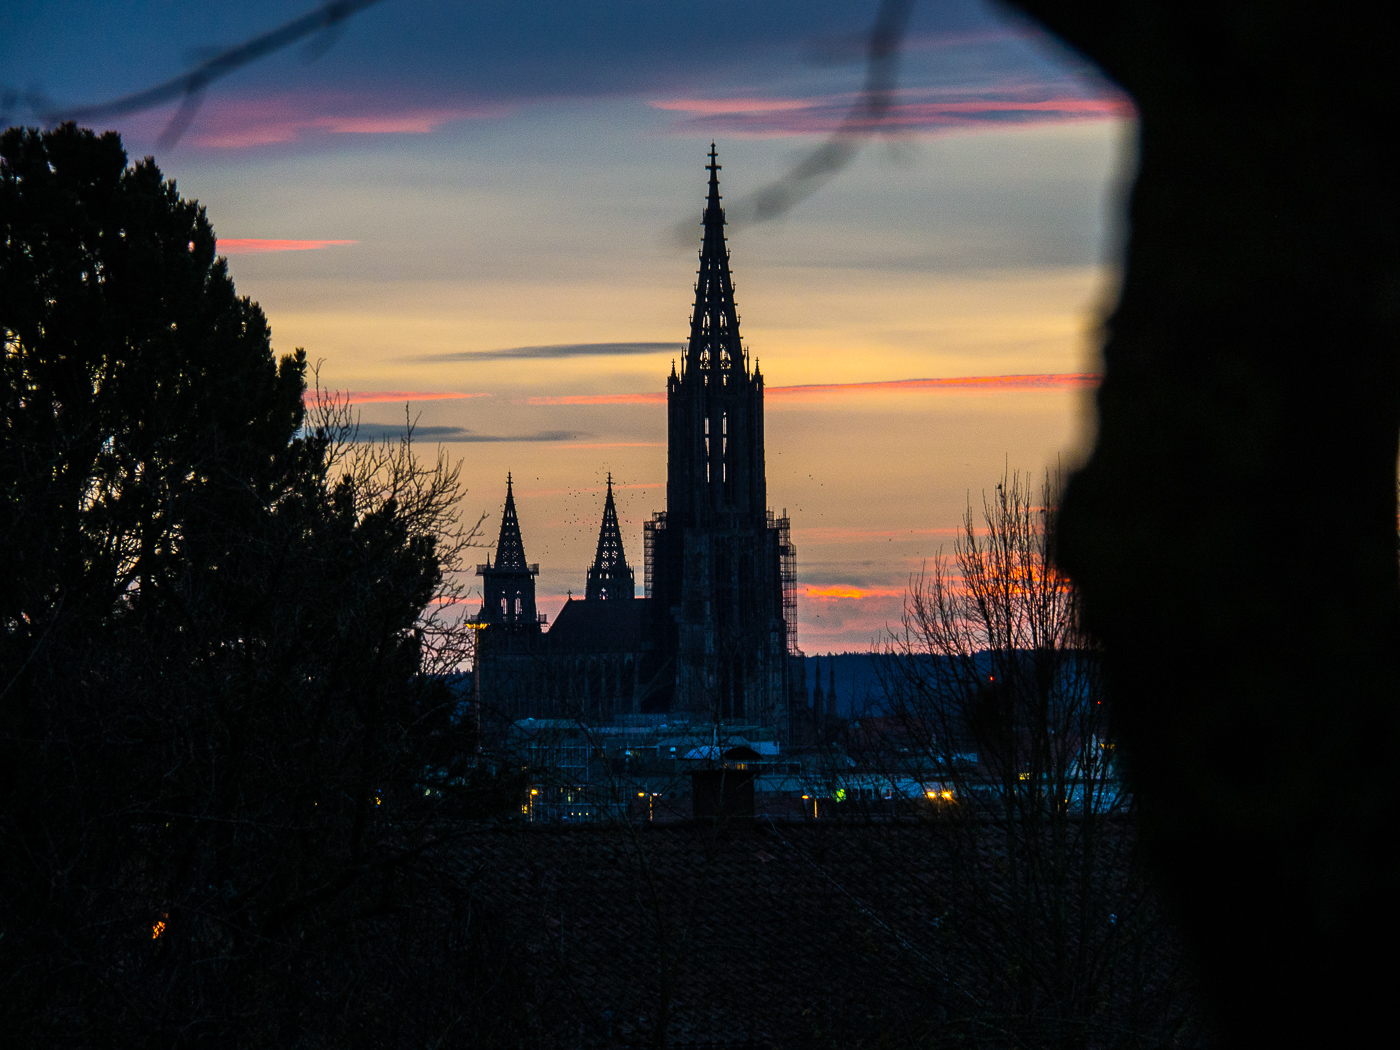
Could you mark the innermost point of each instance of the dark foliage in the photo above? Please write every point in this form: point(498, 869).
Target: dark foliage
point(226, 770)
point(1234, 531)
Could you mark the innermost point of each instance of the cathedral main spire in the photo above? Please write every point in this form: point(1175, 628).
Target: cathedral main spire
point(610, 577)
point(715, 471)
point(510, 548)
point(714, 325)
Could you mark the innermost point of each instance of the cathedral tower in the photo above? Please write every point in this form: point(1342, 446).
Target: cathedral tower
point(719, 565)
point(508, 587)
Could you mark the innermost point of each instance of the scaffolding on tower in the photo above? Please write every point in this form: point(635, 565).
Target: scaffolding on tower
point(649, 531)
point(787, 558)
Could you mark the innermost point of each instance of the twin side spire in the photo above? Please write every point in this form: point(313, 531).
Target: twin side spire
point(610, 576)
point(714, 326)
point(508, 587)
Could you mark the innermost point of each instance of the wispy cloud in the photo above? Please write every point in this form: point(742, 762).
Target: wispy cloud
point(911, 110)
point(379, 431)
point(233, 122)
point(375, 397)
point(1046, 381)
point(260, 246)
point(554, 350)
point(366, 432)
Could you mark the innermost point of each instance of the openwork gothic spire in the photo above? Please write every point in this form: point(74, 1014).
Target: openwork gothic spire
point(714, 326)
point(508, 587)
point(510, 548)
point(610, 577)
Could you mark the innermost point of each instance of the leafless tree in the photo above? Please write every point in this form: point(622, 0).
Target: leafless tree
point(994, 710)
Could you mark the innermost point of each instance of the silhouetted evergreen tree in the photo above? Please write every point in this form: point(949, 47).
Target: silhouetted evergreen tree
point(225, 767)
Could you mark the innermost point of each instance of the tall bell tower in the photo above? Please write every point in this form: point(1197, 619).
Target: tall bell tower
point(719, 564)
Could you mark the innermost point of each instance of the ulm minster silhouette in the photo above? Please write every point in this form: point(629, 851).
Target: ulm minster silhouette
point(715, 637)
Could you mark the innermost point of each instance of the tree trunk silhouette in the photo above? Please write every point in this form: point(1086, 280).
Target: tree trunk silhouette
point(1234, 533)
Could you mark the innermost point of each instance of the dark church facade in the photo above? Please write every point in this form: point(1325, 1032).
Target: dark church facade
point(715, 637)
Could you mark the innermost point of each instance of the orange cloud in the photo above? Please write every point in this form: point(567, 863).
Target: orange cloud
point(258, 245)
point(372, 397)
point(836, 591)
point(1020, 382)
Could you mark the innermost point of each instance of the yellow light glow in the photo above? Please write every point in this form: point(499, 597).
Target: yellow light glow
point(157, 929)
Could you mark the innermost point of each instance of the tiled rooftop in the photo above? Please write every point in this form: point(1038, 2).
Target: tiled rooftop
point(766, 935)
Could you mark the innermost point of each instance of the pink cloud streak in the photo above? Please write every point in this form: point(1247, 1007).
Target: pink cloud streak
point(233, 122)
point(259, 245)
point(913, 110)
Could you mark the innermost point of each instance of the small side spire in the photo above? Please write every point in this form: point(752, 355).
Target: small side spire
point(611, 576)
point(508, 587)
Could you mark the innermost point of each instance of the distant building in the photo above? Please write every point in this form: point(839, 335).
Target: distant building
point(715, 638)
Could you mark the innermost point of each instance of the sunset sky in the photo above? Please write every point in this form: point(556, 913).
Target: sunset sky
point(491, 211)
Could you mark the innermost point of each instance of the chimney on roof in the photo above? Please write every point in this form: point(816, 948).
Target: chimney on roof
point(725, 794)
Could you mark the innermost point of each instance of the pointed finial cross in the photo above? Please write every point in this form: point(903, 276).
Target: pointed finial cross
point(714, 166)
